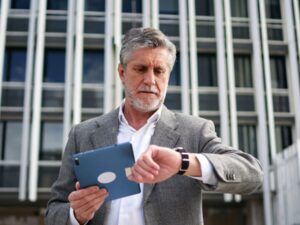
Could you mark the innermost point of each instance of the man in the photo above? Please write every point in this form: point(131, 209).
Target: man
point(177, 156)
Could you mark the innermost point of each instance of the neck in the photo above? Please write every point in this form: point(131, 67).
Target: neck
point(135, 118)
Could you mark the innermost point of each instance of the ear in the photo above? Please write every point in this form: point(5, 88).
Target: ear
point(121, 71)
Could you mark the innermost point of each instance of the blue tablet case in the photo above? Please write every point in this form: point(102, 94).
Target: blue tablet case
point(107, 168)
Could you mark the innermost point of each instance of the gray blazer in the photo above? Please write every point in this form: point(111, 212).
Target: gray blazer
point(176, 201)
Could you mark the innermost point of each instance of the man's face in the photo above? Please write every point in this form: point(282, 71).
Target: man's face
point(145, 78)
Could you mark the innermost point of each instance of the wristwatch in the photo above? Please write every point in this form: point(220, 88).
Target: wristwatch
point(185, 160)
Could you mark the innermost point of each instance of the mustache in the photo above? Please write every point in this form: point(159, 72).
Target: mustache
point(151, 89)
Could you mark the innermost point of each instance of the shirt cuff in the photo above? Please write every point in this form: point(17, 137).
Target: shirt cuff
point(208, 175)
point(72, 219)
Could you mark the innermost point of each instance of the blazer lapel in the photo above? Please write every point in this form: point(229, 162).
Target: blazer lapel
point(165, 135)
point(106, 131)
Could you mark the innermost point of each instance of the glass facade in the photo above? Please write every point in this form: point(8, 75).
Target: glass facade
point(100, 92)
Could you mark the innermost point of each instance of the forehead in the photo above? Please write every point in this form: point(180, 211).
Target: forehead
point(150, 57)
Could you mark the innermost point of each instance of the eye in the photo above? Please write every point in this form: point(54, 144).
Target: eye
point(140, 69)
point(159, 71)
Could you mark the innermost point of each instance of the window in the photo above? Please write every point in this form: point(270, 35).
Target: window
point(57, 4)
point(51, 141)
point(54, 65)
point(47, 176)
point(11, 138)
point(92, 99)
point(95, 5)
point(132, 6)
point(168, 7)
point(93, 66)
point(281, 103)
point(20, 4)
point(12, 97)
point(247, 139)
point(173, 101)
point(208, 102)
point(283, 137)
point(243, 71)
point(204, 7)
point(245, 102)
point(175, 74)
point(207, 70)
point(278, 72)
point(14, 64)
point(273, 9)
point(239, 8)
point(9, 176)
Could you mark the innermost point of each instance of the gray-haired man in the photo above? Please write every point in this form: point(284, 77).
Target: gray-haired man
point(171, 187)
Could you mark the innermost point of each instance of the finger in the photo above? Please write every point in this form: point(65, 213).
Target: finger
point(148, 159)
point(144, 163)
point(77, 195)
point(91, 207)
point(78, 203)
point(77, 186)
point(145, 174)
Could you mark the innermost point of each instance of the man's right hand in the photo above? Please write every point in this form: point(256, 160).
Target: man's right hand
point(85, 202)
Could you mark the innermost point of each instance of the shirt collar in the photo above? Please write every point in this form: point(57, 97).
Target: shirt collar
point(152, 119)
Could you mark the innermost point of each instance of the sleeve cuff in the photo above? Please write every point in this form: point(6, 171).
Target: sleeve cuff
point(72, 219)
point(208, 175)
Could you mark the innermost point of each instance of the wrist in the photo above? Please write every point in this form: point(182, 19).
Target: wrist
point(185, 160)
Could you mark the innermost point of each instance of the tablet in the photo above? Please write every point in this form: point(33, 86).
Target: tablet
point(108, 168)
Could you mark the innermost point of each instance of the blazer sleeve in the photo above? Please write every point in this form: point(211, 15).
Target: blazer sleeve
point(237, 172)
point(58, 206)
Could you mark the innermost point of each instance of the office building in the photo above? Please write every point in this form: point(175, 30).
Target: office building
point(237, 64)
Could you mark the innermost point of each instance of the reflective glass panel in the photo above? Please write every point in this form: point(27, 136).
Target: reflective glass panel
point(92, 99)
point(245, 102)
point(175, 74)
point(20, 4)
point(273, 10)
point(173, 101)
point(275, 34)
point(57, 4)
point(207, 70)
point(278, 72)
point(128, 25)
point(169, 29)
point(54, 25)
point(243, 71)
point(47, 176)
point(12, 138)
point(239, 8)
point(132, 6)
point(205, 30)
point(247, 139)
point(208, 102)
point(95, 5)
point(14, 64)
point(168, 6)
point(9, 176)
point(94, 27)
point(204, 7)
point(284, 137)
point(281, 103)
point(51, 141)
point(54, 65)
point(12, 97)
point(17, 24)
point(93, 66)
point(240, 32)
point(53, 98)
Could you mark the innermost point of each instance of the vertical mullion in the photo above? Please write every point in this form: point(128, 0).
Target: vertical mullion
point(117, 45)
point(37, 101)
point(68, 72)
point(262, 132)
point(146, 13)
point(293, 64)
point(297, 24)
point(193, 57)
point(155, 14)
point(267, 76)
point(3, 24)
point(184, 70)
point(77, 91)
point(221, 71)
point(108, 56)
point(27, 101)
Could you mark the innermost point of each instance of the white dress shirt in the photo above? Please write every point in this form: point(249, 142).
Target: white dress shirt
point(129, 210)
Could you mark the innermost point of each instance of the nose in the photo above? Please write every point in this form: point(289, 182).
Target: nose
point(149, 78)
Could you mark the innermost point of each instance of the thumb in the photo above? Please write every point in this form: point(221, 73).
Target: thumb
point(77, 186)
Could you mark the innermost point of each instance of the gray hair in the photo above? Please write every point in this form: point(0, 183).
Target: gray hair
point(137, 38)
